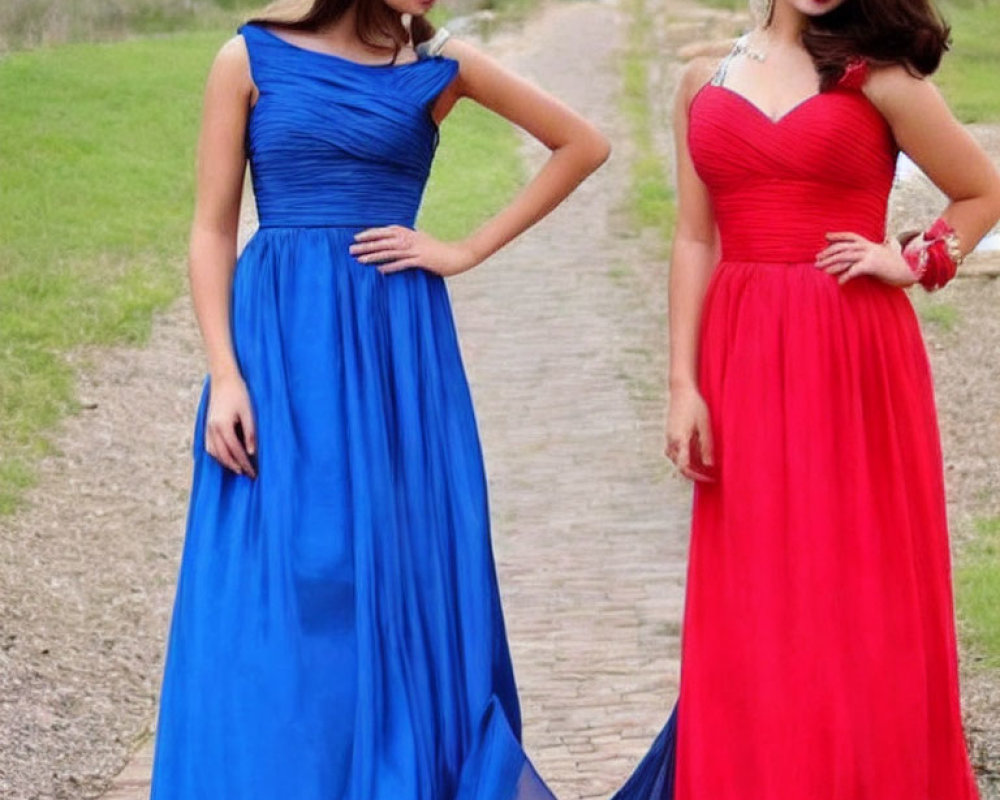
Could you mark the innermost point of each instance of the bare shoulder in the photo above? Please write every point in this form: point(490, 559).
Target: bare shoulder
point(233, 54)
point(697, 72)
point(894, 90)
point(231, 67)
point(479, 73)
point(466, 54)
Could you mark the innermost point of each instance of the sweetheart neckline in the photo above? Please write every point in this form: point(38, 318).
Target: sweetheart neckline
point(775, 121)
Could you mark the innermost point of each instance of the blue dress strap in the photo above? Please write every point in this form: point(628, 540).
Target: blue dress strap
point(435, 79)
point(258, 43)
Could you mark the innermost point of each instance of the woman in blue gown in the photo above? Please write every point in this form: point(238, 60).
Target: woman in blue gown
point(337, 631)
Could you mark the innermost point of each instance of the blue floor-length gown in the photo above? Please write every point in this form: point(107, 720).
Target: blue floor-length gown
point(337, 631)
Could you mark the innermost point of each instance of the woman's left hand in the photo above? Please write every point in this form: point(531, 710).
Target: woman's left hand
point(396, 248)
point(849, 255)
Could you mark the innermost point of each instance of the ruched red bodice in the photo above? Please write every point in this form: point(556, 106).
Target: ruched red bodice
point(778, 187)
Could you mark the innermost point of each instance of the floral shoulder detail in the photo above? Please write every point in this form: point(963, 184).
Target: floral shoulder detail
point(855, 74)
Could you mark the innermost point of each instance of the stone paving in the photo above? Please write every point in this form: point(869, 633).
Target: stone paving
point(563, 340)
point(563, 344)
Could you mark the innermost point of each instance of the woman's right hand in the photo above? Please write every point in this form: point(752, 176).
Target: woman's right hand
point(689, 434)
point(229, 414)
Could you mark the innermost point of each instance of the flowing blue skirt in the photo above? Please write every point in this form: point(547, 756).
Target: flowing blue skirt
point(337, 629)
point(653, 779)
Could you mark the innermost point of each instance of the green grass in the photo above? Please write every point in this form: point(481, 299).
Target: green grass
point(651, 197)
point(968, 76)
point(27, 23)
point(508, 10)
point(726, 5)
point(977, 584)
point(942, 315)
point(478, 168)
point(97, 156)
point(95, 200)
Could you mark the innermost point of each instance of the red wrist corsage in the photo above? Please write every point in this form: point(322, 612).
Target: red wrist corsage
point(935, 255)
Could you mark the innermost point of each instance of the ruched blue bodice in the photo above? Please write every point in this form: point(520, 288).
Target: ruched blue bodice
point(332, 142)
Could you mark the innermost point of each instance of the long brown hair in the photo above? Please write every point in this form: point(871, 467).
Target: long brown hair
point(376, 23)
point(907, 32)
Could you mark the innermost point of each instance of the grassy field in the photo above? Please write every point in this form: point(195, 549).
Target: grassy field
point(477, 170)
point(969, 74)
point(97, 165)
point(651, 196)
point(97, 162)
point(977, 583)
point(27, 23)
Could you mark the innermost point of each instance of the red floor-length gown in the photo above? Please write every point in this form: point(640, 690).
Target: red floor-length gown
point(819, 657)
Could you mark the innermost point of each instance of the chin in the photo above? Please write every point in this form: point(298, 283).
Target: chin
point(415, 8)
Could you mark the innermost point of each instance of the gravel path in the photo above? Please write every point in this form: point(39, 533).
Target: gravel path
point(87, 571)
point(962, 329)
point(563, 349)
point(590, 530)
point(562, 335)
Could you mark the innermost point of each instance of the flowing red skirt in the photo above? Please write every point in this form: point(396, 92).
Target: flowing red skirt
point(819, 657)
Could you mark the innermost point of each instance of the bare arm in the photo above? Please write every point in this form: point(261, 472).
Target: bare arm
point(220, 170)
point(694, 247)
point(577, 147)
point(925, 130)
point(695, 250)
point(212, 257)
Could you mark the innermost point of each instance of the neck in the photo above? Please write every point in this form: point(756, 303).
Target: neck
point(343, 32)
point(787, 23)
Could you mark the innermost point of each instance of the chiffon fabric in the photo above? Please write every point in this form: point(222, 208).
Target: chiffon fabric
point(337, 631)
point(818, 651)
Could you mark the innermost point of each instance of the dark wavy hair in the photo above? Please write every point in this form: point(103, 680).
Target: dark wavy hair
point(907, 32)
point(376, 25)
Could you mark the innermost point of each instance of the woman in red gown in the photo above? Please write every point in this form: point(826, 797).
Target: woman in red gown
point(819, 657)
